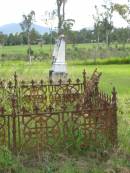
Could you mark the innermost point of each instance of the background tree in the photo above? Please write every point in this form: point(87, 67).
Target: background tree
point(97, 24)
point(123, 10)
point(60, 14)
point(26, 26)
point(11, 39)
point(3, 39)
point(67, 26)
point(34, 36)
point(49, 21)
point(120, 35)
point(107, 24)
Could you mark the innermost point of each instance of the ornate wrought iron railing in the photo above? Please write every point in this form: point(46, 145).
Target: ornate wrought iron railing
point(38, 115)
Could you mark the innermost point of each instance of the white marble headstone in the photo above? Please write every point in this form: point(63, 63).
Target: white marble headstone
point(58, 62)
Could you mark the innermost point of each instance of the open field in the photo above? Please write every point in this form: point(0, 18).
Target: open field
point(46, 48)
point(112, 75)
point(80, 54)
point(118, 160)
point(23, 49)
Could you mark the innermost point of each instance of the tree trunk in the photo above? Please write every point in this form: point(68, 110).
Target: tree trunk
point(29, 49)
point(98, 39)
point(63, 10)
point(107, 38)
point(59, 16)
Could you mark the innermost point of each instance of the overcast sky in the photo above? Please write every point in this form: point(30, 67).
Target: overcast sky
point(81, 10)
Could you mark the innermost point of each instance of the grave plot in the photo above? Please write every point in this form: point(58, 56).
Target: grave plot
point(37, 116)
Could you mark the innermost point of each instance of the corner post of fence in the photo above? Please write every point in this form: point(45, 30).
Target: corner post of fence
point(114, 107)
point(14, 123)
point(96, 87)
point(84, 79)
point(114, 97)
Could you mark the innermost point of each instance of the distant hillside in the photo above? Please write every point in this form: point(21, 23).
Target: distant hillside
point(15, 27)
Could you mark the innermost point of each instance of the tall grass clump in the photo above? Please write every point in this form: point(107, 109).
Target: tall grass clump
point(100, 61)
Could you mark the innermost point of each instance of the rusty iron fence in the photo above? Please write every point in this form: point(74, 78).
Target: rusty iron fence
point(38, 115)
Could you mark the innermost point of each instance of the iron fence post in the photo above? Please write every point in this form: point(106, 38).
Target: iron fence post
point(114, 103)
point(14, 107)
point(84, 79)
point(14, 123)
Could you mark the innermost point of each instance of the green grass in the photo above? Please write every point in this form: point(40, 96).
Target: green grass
point(79, 54)
point(112, 75)
point(101, 61)
point(22, 49)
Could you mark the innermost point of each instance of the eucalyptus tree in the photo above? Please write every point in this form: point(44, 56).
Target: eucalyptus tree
point(97, 24)
point(60, 13)
point(103, 24)
point(124, 11)
point(26, 26)
point(107, 23)
point(64, 25)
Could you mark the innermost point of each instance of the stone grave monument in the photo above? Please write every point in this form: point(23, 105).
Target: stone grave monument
point(59, 68)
